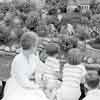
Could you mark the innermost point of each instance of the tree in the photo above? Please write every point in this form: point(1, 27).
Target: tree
point(84, 20)
point(95, 22)
point(39, 3)
point(71, 18)
point(32, 20)
point(60, 4)
point(98, 9)
point(88, 14)
point(81, 33)
point(93, 6)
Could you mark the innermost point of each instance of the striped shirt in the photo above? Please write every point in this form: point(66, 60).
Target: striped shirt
point(73, 74)
point(53, 66)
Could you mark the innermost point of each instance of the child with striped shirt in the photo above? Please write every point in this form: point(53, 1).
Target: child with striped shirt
point(73, 73)
point(52, 71)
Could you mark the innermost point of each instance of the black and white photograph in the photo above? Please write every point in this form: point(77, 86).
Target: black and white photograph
point(49, 49)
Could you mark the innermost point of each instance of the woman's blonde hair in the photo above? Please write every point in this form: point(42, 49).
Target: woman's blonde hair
point(74, 56)
point(28, 40)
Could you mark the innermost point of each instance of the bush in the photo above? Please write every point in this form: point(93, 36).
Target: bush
point(42, 30)
point(67, 43)
point(32, 21)
point(4, 33)
point(84, 20)
point(81, 33)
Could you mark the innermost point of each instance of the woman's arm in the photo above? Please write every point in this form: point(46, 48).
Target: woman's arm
point(39, 75)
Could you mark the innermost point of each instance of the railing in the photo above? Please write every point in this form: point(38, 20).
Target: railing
point(92, 52)
point(5, 64)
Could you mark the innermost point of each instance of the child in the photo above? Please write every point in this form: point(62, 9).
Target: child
point(52, 71)
point(92, 82)
point(73, 74)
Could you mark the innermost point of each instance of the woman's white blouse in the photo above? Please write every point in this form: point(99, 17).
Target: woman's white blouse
point(22, 69)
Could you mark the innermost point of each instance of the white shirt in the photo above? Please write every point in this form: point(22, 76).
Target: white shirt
point(93, 95)
point(73, 74)
point(22, 69)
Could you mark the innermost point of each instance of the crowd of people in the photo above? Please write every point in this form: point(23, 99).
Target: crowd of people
point(52, 63)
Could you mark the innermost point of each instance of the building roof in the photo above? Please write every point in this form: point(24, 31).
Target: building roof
point(72, 2)
point(83, 2)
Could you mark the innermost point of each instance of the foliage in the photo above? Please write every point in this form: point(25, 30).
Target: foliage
point(95, 22)
point(84, 20)
point(32, 21)
point(81, 33)
point(87, 14)
point(52, 11)
point(71, 18)
point(98, 9)
point(93, 6)
point(52, 20)
point(24, 7)
point(67, 42)
point(29, 15)
point(62, 4)
point(8, 17)
point(42, 30)
point(4, 33)
point(4, 7)
point(59, 4)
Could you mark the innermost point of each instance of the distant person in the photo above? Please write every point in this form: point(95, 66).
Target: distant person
point(92, 84)
point(70, 29)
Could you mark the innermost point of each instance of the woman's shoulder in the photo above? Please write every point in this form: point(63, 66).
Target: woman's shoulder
point(18, 57)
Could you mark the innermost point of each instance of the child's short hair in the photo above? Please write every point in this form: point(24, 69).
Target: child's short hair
point(92, 79)
point(74, 56)
point(52, 49)
point(28, 40)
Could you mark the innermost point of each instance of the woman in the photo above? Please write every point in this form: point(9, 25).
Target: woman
point(25, 66)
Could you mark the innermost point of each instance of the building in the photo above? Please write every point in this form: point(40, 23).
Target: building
point(84, 4)
point(72, 4)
